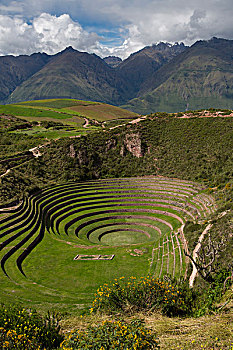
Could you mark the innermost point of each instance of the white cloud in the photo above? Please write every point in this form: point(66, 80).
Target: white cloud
point(12, 7)
point(56, 33)
point(51, 34)
point(138, 23)
point(45, 33)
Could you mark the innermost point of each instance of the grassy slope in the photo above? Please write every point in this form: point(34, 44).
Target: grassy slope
point(207, 332)
point(195, 149)
point(92, 110)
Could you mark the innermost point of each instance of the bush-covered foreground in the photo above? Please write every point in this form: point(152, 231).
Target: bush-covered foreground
point(210, 332)
point(169, 297)
point(129, 314)
point(26, 329)
point(146, 294)
point(112, 335)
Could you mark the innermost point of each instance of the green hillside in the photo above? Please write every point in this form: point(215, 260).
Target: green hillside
point(196, 149)
point(200, 77)
point(74, 74)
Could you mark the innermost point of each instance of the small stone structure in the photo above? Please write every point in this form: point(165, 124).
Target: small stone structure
point(93, 257)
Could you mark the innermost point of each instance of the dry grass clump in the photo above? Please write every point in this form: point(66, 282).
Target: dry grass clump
point(206, 332)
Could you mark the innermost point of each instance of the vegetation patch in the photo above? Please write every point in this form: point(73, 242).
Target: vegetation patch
point(145, 294)
point(112, 335)
point(26, 329)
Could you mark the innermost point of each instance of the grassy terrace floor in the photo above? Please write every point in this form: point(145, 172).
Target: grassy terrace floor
point(137, 220)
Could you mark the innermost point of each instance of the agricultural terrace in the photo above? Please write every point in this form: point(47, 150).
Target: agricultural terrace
point(138, 221)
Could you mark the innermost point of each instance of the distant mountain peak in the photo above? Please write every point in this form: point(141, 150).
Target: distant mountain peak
point(69, 48)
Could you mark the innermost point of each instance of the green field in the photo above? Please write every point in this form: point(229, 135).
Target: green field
point(91, 110)
point(136, 219)
point(82, 116)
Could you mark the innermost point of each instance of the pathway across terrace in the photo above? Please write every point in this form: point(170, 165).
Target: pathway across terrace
point(111, 213)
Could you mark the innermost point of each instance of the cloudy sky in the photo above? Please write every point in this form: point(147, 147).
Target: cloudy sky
point(109, 27)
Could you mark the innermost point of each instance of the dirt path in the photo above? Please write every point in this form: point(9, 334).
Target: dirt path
point(86, 123)
point(206, 114)
point(35, 151)
point(11, 208)
point(195, 255)
point(8, 170)
point(117, 126)
point(131, 122)
point(138, 119)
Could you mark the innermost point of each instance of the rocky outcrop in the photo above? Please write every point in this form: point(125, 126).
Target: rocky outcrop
point(82, 157)
point(72, 153)
point(110, 144)
point(133, 144)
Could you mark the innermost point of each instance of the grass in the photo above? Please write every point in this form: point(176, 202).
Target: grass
point(51, 133)
point(92, 110)
point(66, 111)
point(103, 112)
point(19, 111)
point(87, 207)
point(207, 332)
point(57, 103)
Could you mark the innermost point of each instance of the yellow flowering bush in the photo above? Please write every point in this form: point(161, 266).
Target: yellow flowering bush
point(23, 326)
point(11, 340)
point(109, 335)
point(144, 294)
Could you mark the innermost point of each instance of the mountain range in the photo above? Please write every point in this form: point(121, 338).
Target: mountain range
point(161, 77)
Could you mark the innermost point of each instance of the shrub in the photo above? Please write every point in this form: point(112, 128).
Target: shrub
point(146, 294)
point(12, 340)
point(112, 335)
point(18, 323)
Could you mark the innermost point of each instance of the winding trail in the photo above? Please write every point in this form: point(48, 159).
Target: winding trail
point(8, 170)
point(35, 151)
point(86, 123)
point(195, 254)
